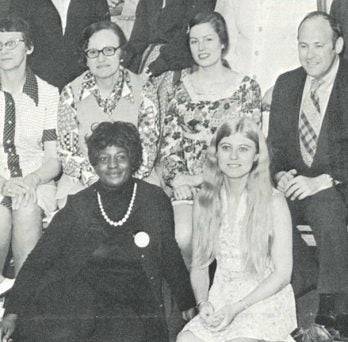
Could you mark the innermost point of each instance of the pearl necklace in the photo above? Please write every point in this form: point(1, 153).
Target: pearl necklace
point(125, 217)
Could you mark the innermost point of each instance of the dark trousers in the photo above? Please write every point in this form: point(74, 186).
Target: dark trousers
point(326, 214)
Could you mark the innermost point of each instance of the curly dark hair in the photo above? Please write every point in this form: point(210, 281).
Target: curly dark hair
point(119, 134)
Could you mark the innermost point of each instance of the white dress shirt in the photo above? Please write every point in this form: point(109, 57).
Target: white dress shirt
point(62, 7)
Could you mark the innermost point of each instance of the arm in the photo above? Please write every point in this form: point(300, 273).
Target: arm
point(252, 101)
point(281, 254)
point(172, 264)
point(138, 40)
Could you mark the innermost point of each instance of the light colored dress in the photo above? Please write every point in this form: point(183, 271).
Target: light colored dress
point(272, 319)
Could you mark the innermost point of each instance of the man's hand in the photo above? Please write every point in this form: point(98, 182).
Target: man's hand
point(188, 314)
point(183, 192)
point(301, 187)
point(283, 178)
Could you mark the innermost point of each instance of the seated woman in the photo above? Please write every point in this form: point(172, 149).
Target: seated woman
point(105, 92)
point(28, 147)
point(245, 224)
point(96, 273)
point(203, 100)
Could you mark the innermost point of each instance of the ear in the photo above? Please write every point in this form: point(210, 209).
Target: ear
point(339, 45)
point(30, 50)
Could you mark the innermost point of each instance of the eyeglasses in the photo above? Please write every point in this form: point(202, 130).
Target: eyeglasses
point(106, 51)
point(10, 44)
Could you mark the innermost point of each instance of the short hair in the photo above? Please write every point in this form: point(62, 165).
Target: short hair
point(88, 32)
point(119, 134)
point(17, 24)
point(335, 26)
point(218, 23)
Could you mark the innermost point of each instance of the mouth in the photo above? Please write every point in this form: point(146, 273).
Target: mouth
point(203, 55)
point(233, 166)
point(102, 66)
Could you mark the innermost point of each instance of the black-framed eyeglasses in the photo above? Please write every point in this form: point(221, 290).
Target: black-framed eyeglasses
point(10, 44)
point(106, 51)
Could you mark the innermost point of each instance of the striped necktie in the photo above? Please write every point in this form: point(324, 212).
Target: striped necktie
point(309, 123)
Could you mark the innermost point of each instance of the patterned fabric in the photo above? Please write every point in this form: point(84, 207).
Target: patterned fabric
point(271, 319)
point(75, 164)
point(309, 124)
point(191, 122)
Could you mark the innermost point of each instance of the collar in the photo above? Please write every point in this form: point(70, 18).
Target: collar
point(30, 87)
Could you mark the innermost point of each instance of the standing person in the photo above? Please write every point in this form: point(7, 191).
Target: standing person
point(245, 224)
point(309, 140)
point(97, 273)
point(339, 10)
point(28, 157)
point(56, 26)
point(203, 100)
point(105, 92)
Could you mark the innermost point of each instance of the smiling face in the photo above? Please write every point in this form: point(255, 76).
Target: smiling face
point(317, 51)
point(104, 67)
point(205, 45)
point(15, 58)
point(113, 166)
point(236, 155)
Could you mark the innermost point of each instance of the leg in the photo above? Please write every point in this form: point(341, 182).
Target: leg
point(5, 233)
point(27, 230)
point(183, 230)
point(187, 336)
point(326, 214)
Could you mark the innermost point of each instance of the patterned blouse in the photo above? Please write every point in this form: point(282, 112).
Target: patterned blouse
point(191, 121)
point(75, 163)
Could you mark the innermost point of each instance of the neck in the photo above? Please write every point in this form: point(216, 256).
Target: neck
point(212, 72)
point(13, 81)
point(106, 85)
point(235, 187)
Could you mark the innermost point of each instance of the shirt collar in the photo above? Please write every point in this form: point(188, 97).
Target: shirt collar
point(30, 87)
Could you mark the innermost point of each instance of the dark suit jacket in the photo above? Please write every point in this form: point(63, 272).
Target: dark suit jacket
point(71, 238)
point(56, 56)
point(332, 151)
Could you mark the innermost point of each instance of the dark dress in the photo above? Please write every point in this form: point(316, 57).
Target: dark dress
point(111, 295)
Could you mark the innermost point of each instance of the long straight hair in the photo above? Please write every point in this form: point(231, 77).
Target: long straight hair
point(207, 217)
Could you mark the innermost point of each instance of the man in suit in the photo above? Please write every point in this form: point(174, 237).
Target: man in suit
point(308, 136)
point(56, 27)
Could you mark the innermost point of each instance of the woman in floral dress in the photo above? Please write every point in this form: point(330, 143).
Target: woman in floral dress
point(203, 100)
point(245, 224)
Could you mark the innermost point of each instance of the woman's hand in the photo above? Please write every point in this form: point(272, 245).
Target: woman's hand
point(190, 180)
point(183, 192)
point(8, 327)
point(225, 316)
point(188, 314)
point(206, 313)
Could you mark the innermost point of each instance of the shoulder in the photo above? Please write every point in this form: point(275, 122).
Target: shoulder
point(292, 77)
point(81, 198)
point(279, 207)
point(46, 90)
point(152, 194)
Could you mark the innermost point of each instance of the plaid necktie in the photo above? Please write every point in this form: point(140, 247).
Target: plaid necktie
point(309, 124)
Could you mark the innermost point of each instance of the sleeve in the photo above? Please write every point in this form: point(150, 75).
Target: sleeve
point(172, 264)
point(74, 163)
point(277, 129)
point(138, 40)
point(149, 129)
point(51, 112)
point(251, 104)
point(102, 11)
point(172, 158)
point(41, 259)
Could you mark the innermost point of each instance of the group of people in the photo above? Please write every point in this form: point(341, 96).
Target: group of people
point(152, 157)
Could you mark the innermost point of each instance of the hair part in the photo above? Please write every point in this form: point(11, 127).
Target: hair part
point(120, 134)
point(335, 26)
point(208, 211)
point(17, 24)
point(217, 22)
point(88, 32)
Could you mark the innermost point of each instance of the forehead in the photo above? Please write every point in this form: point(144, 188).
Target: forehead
point(103, 38)
point(237, 139)
point(315, 29)
point(202, 30)
point(5, 36)
point(113, 150)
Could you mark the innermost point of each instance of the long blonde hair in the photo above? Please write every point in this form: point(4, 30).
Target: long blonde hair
point(207, 214)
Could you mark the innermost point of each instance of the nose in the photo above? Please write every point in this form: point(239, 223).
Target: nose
point(234, 153)
point(310, 53)
point(201, 45)
point(101, 57)
point(113, 163)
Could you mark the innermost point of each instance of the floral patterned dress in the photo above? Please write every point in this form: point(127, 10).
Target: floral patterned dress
point(192, 119)
point(272, 319)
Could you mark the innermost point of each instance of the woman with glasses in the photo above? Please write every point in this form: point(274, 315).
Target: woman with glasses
point(105, 92)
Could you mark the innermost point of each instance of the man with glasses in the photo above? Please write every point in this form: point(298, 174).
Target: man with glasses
point(56, 28)
point(28, 154)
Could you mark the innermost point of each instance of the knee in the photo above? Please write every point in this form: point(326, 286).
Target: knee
point(183, 236)
point(185, 336)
